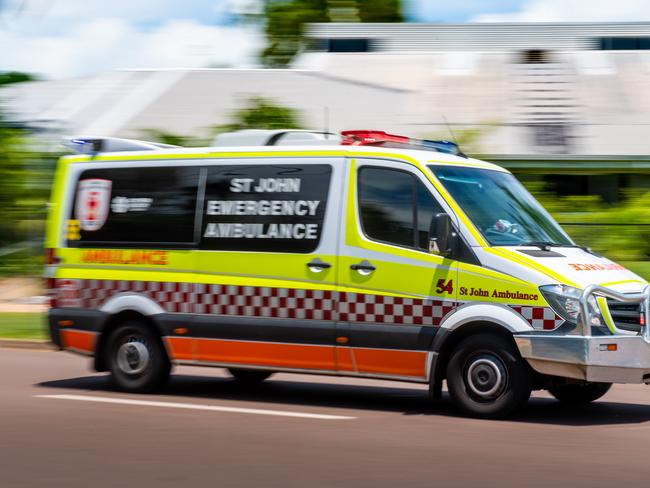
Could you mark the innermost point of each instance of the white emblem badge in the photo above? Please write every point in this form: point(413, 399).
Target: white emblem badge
point(93, 201)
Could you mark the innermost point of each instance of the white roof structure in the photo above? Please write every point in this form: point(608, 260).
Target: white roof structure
point(190, 102)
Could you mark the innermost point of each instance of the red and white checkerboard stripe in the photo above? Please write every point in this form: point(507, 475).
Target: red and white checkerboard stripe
point(357, 307)
point(539, 317)
point(287, 303)
point(252, 301)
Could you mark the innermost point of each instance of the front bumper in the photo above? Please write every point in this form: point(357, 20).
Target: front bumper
point(617, 357)
point(588, 358)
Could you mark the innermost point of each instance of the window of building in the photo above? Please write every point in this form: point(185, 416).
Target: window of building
point(395, 207)
point(134, 207)
point(267, 208)
point(623, 43)
point(348, 45)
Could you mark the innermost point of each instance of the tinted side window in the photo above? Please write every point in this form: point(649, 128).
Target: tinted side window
point(387, 205)
point(129, 207)
point(272, 208)
point(395, 207)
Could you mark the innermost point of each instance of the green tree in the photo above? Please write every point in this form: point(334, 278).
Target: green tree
point(284, 22)
point(9, 77)
point(165, 137)
point(25, 182)
point(380, 10)
point(257, 113)
point(284, 28)
point(262, 113)
point(13, 179)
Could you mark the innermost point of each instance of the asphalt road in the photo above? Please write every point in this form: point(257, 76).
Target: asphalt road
point(61, 425)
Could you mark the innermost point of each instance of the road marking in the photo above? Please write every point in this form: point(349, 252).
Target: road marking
point(197, 406)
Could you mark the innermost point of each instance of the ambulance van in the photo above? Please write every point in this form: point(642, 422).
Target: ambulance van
point(370, 255)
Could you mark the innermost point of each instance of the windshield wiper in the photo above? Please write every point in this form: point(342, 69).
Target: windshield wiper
point(543, 245)
point(547, 245)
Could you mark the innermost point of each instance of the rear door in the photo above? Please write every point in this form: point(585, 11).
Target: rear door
point(393, 292)
point(267, 264)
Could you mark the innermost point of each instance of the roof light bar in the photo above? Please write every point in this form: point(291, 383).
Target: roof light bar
point(94, 145)
point(369, 137)
point(381, 138)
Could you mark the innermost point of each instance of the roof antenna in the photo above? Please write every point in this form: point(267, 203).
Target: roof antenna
point(451, 132)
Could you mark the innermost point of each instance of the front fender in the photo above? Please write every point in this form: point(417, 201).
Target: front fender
point(494, 313)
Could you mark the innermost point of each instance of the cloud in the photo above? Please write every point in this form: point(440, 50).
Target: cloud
point(80, 37)
point(573, 11)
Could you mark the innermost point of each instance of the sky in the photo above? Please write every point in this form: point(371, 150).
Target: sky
point(69, 38)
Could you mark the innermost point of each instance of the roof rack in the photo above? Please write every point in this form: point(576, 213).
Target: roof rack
point(93, 145)
point(382, 139)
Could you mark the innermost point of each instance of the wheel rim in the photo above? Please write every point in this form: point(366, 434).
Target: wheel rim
point(133, 357)
point(486, 377)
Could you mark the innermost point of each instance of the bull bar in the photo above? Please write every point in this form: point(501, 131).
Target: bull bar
point(610, 356)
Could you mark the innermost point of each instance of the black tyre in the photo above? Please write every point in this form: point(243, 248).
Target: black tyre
point(249, 376)
point(580, 393)
point(137, 359)
point(487, 378)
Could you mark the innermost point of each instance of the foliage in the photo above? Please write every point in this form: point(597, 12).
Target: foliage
point(13, 182)
point(613, 230)
point(164, 137)
point(380, 10)
point(284, 22)
point(284, 27)
point(25, 180)
point(262, 113)
point(9, 77)
point(257, 113)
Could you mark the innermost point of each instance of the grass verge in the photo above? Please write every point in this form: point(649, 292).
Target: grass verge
point(22, 326)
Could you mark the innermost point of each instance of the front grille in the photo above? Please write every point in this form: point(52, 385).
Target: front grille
point(627, 316)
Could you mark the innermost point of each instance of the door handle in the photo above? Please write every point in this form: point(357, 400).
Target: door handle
point(316, 265)
point(364, 267)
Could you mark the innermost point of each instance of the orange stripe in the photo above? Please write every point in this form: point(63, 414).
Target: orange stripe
point(344, 360)
point(80, 340)
point(382, 361)
point(266, 354)
point(180, 347)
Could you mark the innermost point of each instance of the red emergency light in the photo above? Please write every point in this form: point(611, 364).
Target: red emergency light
point(381, 138)
point(369, 137)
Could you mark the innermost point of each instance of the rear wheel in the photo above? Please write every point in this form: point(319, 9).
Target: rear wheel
point(249, 376)
point(580, 393)
point(487, 378)
point(137, 359)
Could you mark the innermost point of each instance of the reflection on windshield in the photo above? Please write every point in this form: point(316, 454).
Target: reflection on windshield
point(502, 209)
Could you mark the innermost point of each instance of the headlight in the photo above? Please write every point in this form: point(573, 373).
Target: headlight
point(565, 301)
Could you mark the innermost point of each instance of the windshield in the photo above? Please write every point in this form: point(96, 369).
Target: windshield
point(502, 209)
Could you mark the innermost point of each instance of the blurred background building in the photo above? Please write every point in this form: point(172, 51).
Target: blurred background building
point(567, 96)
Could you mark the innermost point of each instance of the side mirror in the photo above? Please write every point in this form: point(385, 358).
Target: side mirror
point(441, 235)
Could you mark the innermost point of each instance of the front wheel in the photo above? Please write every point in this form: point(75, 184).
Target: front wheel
point(137, 359)
point(580, 393)
point(487, 378)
